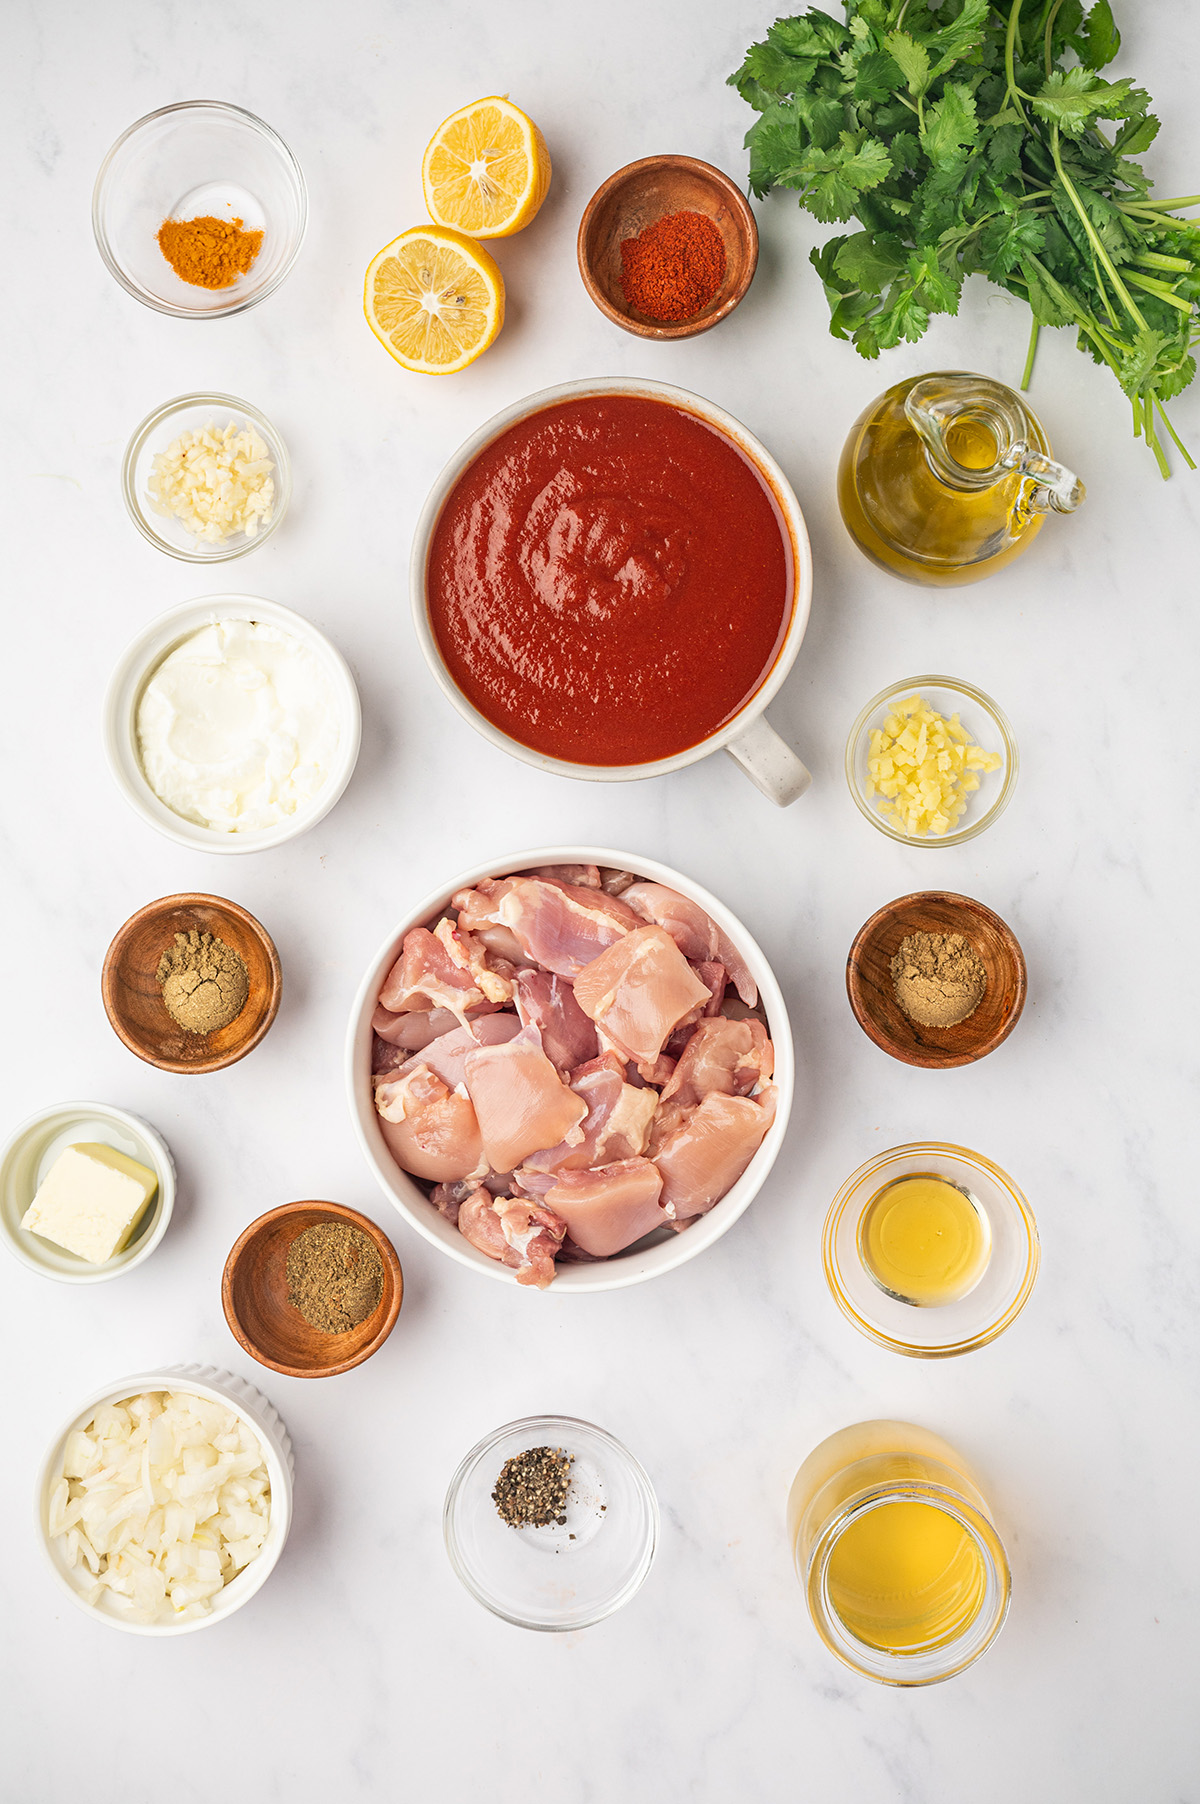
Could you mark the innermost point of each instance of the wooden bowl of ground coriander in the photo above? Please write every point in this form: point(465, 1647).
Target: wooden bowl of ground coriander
point(311, 1289)
point(191, 983)
point(936, 979)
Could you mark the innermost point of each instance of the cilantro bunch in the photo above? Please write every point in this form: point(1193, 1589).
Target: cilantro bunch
point(960, 143)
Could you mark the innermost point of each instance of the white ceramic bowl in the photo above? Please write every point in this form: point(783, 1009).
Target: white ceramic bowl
point(141, 659)
point(253, 1408)
point(33, 1147)
point(754, 745)
point(623, 1268)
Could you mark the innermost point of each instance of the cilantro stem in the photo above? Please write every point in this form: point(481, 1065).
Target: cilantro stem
point(1161, 290)
point(1123, 293)
point(1027, 373)
point(1050, 18)
point(1011, 41)
point(1160, 206)
point(1178, 442)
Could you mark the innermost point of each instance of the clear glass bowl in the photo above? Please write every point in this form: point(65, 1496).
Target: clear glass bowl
point(553, 1578)
point(188, 413)
point(951, 1328)
point(197, 157)
point(984, 722)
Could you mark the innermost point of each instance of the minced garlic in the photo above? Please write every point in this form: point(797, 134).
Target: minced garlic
point(216, 481)
point(923, 766)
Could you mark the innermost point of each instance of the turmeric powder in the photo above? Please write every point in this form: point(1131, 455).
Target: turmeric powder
point(208, 252)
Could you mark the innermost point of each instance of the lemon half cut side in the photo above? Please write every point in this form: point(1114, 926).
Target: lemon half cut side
point(486, 169)
point(434, 299)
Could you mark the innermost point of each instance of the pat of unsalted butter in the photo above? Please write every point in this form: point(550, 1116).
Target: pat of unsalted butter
point(90, 1201)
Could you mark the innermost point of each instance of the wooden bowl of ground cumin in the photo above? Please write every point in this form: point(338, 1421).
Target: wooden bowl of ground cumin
point(311, 1289)
point(936, 979)
point(191, 983)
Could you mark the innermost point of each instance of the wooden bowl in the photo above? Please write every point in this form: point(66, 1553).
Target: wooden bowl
point(638, 196)
point(133, 995)
point(254, 1296)
point(873, 998)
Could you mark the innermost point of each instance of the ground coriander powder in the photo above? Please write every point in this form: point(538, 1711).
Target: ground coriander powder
point(205, 983)
point(938, 978)
point(334, 1276)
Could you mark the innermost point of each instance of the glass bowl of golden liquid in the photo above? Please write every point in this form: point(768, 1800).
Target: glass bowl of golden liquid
point(904, 1573)
point(931, 1250)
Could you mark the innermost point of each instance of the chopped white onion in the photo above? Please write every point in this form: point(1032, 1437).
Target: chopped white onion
point(161, 1500)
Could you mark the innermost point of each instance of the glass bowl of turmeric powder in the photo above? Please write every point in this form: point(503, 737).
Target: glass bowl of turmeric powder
point(199, 210)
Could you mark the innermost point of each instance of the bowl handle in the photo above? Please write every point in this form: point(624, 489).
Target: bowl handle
point(770, 764)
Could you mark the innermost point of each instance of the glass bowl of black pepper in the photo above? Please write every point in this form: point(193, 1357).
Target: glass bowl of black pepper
point(551, 1523)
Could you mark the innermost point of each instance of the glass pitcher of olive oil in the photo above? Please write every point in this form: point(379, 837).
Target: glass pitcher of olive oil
point(946, 478)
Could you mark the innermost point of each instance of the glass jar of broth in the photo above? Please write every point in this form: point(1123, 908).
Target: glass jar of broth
point(947, 478)
point(905, 1576)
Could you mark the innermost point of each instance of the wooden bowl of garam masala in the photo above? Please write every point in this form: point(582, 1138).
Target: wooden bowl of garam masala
point(191, 983)
point(936, 979)
point(311, 1289)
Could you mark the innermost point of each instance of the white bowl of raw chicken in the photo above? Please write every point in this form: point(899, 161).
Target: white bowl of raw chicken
point(664, 1247)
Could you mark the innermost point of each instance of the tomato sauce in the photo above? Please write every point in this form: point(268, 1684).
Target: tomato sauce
point(610, 580)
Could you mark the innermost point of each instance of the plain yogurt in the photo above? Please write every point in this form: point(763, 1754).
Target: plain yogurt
point(237, 728)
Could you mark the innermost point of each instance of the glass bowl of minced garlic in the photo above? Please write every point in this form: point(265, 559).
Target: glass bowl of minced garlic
point(931, 761)
point(206, 477)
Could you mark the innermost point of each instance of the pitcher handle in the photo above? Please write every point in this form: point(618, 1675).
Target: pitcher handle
point(770, 764)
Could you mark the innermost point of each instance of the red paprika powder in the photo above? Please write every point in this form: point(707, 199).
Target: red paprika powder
point(674, 268)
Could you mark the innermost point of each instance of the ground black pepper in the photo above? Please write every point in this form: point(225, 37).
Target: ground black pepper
point(532, 1487)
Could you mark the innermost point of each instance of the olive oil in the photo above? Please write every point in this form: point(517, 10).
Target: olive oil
point(924, 1240)
point(906, 1576)
point(947, 479)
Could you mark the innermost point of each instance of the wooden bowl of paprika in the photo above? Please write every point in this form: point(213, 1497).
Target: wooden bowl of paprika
point(312, 1289)
point(667, 247)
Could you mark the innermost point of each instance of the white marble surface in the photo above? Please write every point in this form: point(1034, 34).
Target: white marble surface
point(363, 1670)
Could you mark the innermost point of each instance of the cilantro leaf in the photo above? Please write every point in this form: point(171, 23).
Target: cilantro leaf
point(1004, 150)
point(835, 177)
point(870, 260)
point(960, 38)
point(950, 124)
point(911, 58)
point(1101, 39)
point(1073, 98)
point(1007, 241)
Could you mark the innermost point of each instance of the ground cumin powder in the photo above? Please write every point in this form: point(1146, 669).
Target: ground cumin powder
point(938, 979)
point(208, 252)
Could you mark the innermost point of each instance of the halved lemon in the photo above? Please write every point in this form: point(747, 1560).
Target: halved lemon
point(435, 299)
point(486, 169)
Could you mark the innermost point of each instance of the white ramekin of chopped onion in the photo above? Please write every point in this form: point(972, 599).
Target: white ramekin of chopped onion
point(165, 1501)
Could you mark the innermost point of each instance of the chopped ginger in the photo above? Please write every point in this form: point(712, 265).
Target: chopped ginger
point(923, 767)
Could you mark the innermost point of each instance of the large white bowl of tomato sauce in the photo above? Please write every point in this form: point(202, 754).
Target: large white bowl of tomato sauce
point(611, 579)
point(422, 1200)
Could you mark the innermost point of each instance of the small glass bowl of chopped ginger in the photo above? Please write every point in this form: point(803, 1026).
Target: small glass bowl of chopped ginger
point(931, 761)
point(206, 477)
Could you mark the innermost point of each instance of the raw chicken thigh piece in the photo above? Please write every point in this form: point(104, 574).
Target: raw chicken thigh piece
point(710, 1149)
point(608, 1209)
point(559, 925)
point(586, 876)
point(520, 1234)
point(694, 932)
point(546, 1001)
point(448, 1199)
point(431, 1130)
point(448, 1054)
point(637, 992)
point(426, 977)
point(521, 1102)
point(729, 1056)
point(617, 1124)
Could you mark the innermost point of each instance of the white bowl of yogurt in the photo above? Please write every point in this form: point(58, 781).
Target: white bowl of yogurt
point(231, 724)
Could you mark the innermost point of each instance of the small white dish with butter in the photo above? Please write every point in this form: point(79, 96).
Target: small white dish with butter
point(231, 724)
point(73, 1173)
